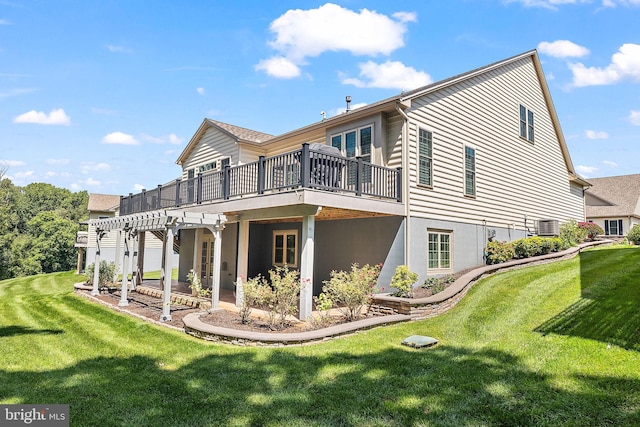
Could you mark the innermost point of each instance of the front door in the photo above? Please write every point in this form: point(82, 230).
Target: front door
point(206, 261)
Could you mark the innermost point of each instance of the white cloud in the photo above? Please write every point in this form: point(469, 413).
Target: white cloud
point(548, 4)
point(138, 187)
point(119, 49)
point(625, 64)
point(172, 138)
point(55, 117)
point(58, 161)
point(610, 163)
point(562, 49)
point(389, 75)
point(278, 66)
point(341, 110)
point(634, 117)
point(17, 92)
point(592, 134)
point(4, 22)
point(200, 91)
point(88, 167)
point(614, 3)
point(12, 163)
point(120, 138)
point(586, 170)
point(300, 34)
point(92, 182)
point(26, 174)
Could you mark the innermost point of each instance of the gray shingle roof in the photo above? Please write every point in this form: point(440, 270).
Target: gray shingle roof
point(242, 133)
point(619, 196)
point(103, 202)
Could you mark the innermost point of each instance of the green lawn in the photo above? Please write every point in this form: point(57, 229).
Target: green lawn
point(556, 344)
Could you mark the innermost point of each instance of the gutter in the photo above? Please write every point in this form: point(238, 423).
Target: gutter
point(405, 183)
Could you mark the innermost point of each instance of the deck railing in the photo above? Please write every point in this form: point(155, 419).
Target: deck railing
point(304, 168)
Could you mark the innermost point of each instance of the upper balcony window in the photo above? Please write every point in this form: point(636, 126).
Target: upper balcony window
point(355, 142)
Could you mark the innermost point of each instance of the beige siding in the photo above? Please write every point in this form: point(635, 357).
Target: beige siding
point(109, 240)
point(514, 177)
point(213, 145)
point(392, 148)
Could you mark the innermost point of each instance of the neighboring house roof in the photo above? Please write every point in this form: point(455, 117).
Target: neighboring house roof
point(403, 101)
point(613, 196)
point(103, 202)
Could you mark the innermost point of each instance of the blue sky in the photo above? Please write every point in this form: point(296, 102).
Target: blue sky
point(104, 95)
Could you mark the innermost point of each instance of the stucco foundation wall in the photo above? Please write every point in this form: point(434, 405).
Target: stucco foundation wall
point(469, 241)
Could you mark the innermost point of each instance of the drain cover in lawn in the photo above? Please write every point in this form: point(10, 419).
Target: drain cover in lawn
point(419, 341)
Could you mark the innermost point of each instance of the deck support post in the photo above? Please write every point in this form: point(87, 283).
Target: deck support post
point(306, 266)
point(167, 268)
point(217, 256)
point(243, 260)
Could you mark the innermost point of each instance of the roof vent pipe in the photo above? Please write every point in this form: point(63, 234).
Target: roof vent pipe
point(348, 103)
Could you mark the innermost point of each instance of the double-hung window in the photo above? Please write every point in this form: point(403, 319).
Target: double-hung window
point(425, 158)
point(526, 123)
point(469, 171)
point(613, 227)
point(285, 248)
point(439, 250)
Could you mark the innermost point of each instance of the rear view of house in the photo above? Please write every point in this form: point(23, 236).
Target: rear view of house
point(423, 179)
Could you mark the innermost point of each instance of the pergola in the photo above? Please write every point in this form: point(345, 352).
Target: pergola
point(132, 228)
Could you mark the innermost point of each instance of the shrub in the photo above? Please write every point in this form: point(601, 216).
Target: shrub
point(256, 292)
point(403, 281)
point(323, 305)
point(571, 234)
point(634, 234)
point(351, 291)
point(286, 288)
point(196, 285)
point(525, 248)
point(498, 252)
point(436, 284)
point(105, 275)
point(592, 229)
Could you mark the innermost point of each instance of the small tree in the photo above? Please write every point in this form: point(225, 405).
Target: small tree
point(592, 229)
point(403, 281)
point(105, 275)
point(634, 235)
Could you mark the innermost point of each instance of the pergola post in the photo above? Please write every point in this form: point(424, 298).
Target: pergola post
point(217, 256)
point(126, 262)
point(141, 244)
point(134, 260)
point(116, 260)
point(243, 260)
point(167, 268)
point(306, 266)
point(96, 266)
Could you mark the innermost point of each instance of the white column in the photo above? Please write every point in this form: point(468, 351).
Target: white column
point(167, 268)
point(196, 251)
point(134, 260)
point(116, 260)
point(96, 266)
point(217, 256)
point(243, 260)
point(126, 262)
point(306, 266)
point(141, 244)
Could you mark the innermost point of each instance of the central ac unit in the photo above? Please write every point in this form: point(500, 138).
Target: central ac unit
point(548, 227)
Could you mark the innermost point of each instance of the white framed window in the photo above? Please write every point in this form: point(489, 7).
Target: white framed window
point(526, 123)
point(425, 157)
point(469, 171)
point(439, 250)
point(613, 227)
point(355, 142)
point(285, 248)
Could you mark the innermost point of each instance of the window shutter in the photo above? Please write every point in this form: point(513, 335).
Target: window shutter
point(620, 227)
point(606, 227)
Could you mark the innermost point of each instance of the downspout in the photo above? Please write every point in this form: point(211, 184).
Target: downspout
point(405, 183)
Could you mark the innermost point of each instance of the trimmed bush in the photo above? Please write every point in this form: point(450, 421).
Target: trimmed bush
point(403, 281)
point(498, 252)
point(571, 234)
point(351, 291)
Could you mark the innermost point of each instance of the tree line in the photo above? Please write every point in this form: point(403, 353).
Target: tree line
point(38, 225)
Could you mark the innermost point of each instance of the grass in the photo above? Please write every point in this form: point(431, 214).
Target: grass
point(555, 344)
